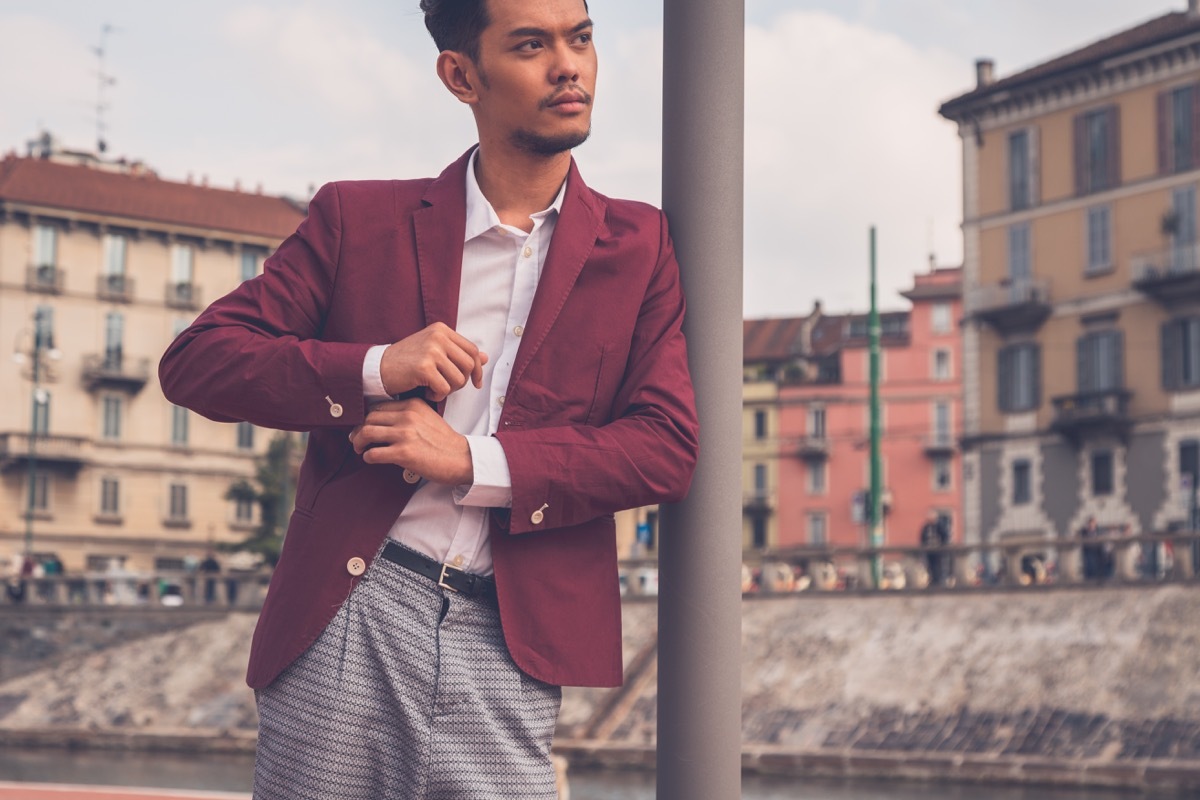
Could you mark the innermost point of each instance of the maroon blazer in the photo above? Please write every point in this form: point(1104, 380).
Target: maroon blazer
point(599, 415)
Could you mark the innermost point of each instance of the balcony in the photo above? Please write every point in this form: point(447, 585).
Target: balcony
point(813, 448)
point(1169, 276)
point(62, 452)
point(940, 444)
point(1013, 307)
point(115, 288)
point(45, 278)
point(758, 503)
point(183, 295)
point(114, 371)
point(1079, 416)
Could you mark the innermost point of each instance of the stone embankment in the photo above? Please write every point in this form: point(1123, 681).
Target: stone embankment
point(1088, 686)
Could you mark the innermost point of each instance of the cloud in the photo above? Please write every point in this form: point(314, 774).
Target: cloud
point(842, 132)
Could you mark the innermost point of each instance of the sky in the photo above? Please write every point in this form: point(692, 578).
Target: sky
point(842, 130)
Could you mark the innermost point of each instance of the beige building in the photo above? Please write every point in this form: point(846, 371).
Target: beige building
point(101, 264)
point(1082, 278)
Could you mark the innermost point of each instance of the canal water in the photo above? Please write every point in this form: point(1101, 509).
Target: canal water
point(233, 773)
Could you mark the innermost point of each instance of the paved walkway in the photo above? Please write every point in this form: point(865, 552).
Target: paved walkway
point(54, 791)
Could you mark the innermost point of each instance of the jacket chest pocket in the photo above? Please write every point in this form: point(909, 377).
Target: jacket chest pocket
point(565, 386)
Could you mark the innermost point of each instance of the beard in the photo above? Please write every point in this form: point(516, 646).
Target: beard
point(540, 145)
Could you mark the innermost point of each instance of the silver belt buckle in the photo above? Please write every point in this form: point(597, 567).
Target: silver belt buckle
point(442, 578)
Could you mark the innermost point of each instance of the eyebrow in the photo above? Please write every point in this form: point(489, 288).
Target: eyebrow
point(522, 32)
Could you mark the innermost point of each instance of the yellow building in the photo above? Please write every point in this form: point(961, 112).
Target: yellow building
point(1082, 286)
point(101, 265)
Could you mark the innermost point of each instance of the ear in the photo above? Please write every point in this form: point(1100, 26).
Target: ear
point(458, 74)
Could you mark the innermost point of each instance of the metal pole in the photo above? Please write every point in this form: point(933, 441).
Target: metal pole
point(875, 509)
point(699, 610)
point(33, 431)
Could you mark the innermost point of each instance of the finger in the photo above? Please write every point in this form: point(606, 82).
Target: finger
point(477, 372)
point(463, 343)
point(462, 364)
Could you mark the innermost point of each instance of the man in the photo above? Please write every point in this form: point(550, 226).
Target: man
point(935, 533)
point(530, 330)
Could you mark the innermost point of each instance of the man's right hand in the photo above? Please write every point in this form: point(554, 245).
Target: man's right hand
point(438, 359)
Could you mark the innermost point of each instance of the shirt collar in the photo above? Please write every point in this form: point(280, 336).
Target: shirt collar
point(481, 217)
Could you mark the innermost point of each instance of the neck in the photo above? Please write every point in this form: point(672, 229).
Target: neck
point(518, 183)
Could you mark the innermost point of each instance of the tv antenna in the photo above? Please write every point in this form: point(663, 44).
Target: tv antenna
point(104, 81)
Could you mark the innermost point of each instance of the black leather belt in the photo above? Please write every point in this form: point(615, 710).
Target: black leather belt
point(446, 576)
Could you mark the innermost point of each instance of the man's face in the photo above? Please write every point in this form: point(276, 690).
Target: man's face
point(537, 75)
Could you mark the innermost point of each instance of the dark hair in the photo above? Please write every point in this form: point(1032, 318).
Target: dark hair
point(456, 24)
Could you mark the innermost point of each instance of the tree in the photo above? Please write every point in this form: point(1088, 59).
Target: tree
point(272, 492)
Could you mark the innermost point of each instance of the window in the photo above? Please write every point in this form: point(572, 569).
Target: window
point(183, 260)
point(817, 474)
point(112, 417)
point(178, 509)
point(179, 425)
point(760, 425)
point(39, 498)
point(1099, 244)
point(1176, 130)
point(41, 412)
point(1020, 170)
point(1019, 377)
point(758, 532)
point(114, 336)
point(1022, 488)
point(818, 534)
point(1183, 230)
point(243, 510)
point(251, 264)
point(110, 496)
point(1020, 257)
point(1102, 473)
point(942, 322)
point(816, 422)
point(941, 365)
point(43, 327)
point(858, 328)
point(1181, 353)
point(942, 478)
point(941, 421)
point(245, 436)
point(169, 564)
point(760, 480)
point(45, 246)
point(893, 325)
point(1099, 359)
point(1097, 157)
point(115, 248)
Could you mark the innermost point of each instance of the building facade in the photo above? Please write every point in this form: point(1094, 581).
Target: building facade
point(1082, 287)
point(807, 467)
point(101, 265)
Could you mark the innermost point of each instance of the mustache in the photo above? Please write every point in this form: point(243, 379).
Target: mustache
point(551, 99)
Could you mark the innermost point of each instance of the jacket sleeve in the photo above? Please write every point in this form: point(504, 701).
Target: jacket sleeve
point(256, 354)
point(645, 454)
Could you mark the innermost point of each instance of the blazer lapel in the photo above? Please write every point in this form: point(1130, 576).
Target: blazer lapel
point(439, 238)
point(580, 223)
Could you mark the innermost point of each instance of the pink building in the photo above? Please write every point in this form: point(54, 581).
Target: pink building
point(820, 364)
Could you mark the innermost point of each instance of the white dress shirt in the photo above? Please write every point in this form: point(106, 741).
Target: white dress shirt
point(500, 271)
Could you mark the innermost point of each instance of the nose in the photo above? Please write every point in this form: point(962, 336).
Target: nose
point(565, 68)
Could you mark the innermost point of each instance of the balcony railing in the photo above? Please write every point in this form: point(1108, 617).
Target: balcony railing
point(813, 447)
point(1077, 416)
point(116, 288)
point(1013, 306)
point(183, 295)
point(758, 502)
point(940, 444)
point(50, 451)
point(44, 278)
point(1169, 276)
point(115, 371)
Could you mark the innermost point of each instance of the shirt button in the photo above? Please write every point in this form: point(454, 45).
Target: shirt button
point(458, 560)
point(527, 252)
point(411, 477)
point(356, 566)
point(335, 410)
point(500, 400)
point(519, 330)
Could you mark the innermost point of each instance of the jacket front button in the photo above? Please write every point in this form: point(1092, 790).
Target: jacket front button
point(356, 566)
point(411, 477)
point(335, 410)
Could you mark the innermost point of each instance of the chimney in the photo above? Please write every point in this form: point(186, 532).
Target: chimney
point(984, 68)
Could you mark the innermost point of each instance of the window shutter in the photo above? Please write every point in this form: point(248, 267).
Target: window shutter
point(1170, 333)
point(1163, 113)
point(1114, 147)
point(1083, 365)
point(1081, 155)
point(1004, 378)
point(1035, 377)
point(1035, 171)
point(1118, 359)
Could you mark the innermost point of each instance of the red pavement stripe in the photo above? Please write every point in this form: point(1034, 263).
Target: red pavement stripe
point(54, 791)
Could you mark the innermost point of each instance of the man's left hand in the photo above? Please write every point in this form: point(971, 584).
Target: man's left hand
point(410, 434)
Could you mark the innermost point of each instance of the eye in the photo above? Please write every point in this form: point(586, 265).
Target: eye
point(584, 38)
point(531, 45)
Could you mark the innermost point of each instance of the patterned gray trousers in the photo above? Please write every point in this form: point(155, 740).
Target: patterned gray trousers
point(409, 693)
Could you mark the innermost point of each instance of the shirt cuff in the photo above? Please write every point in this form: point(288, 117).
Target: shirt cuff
point(373, 389)
point(493, 482)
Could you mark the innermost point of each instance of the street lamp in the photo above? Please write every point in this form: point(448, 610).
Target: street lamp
point(42, 344)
